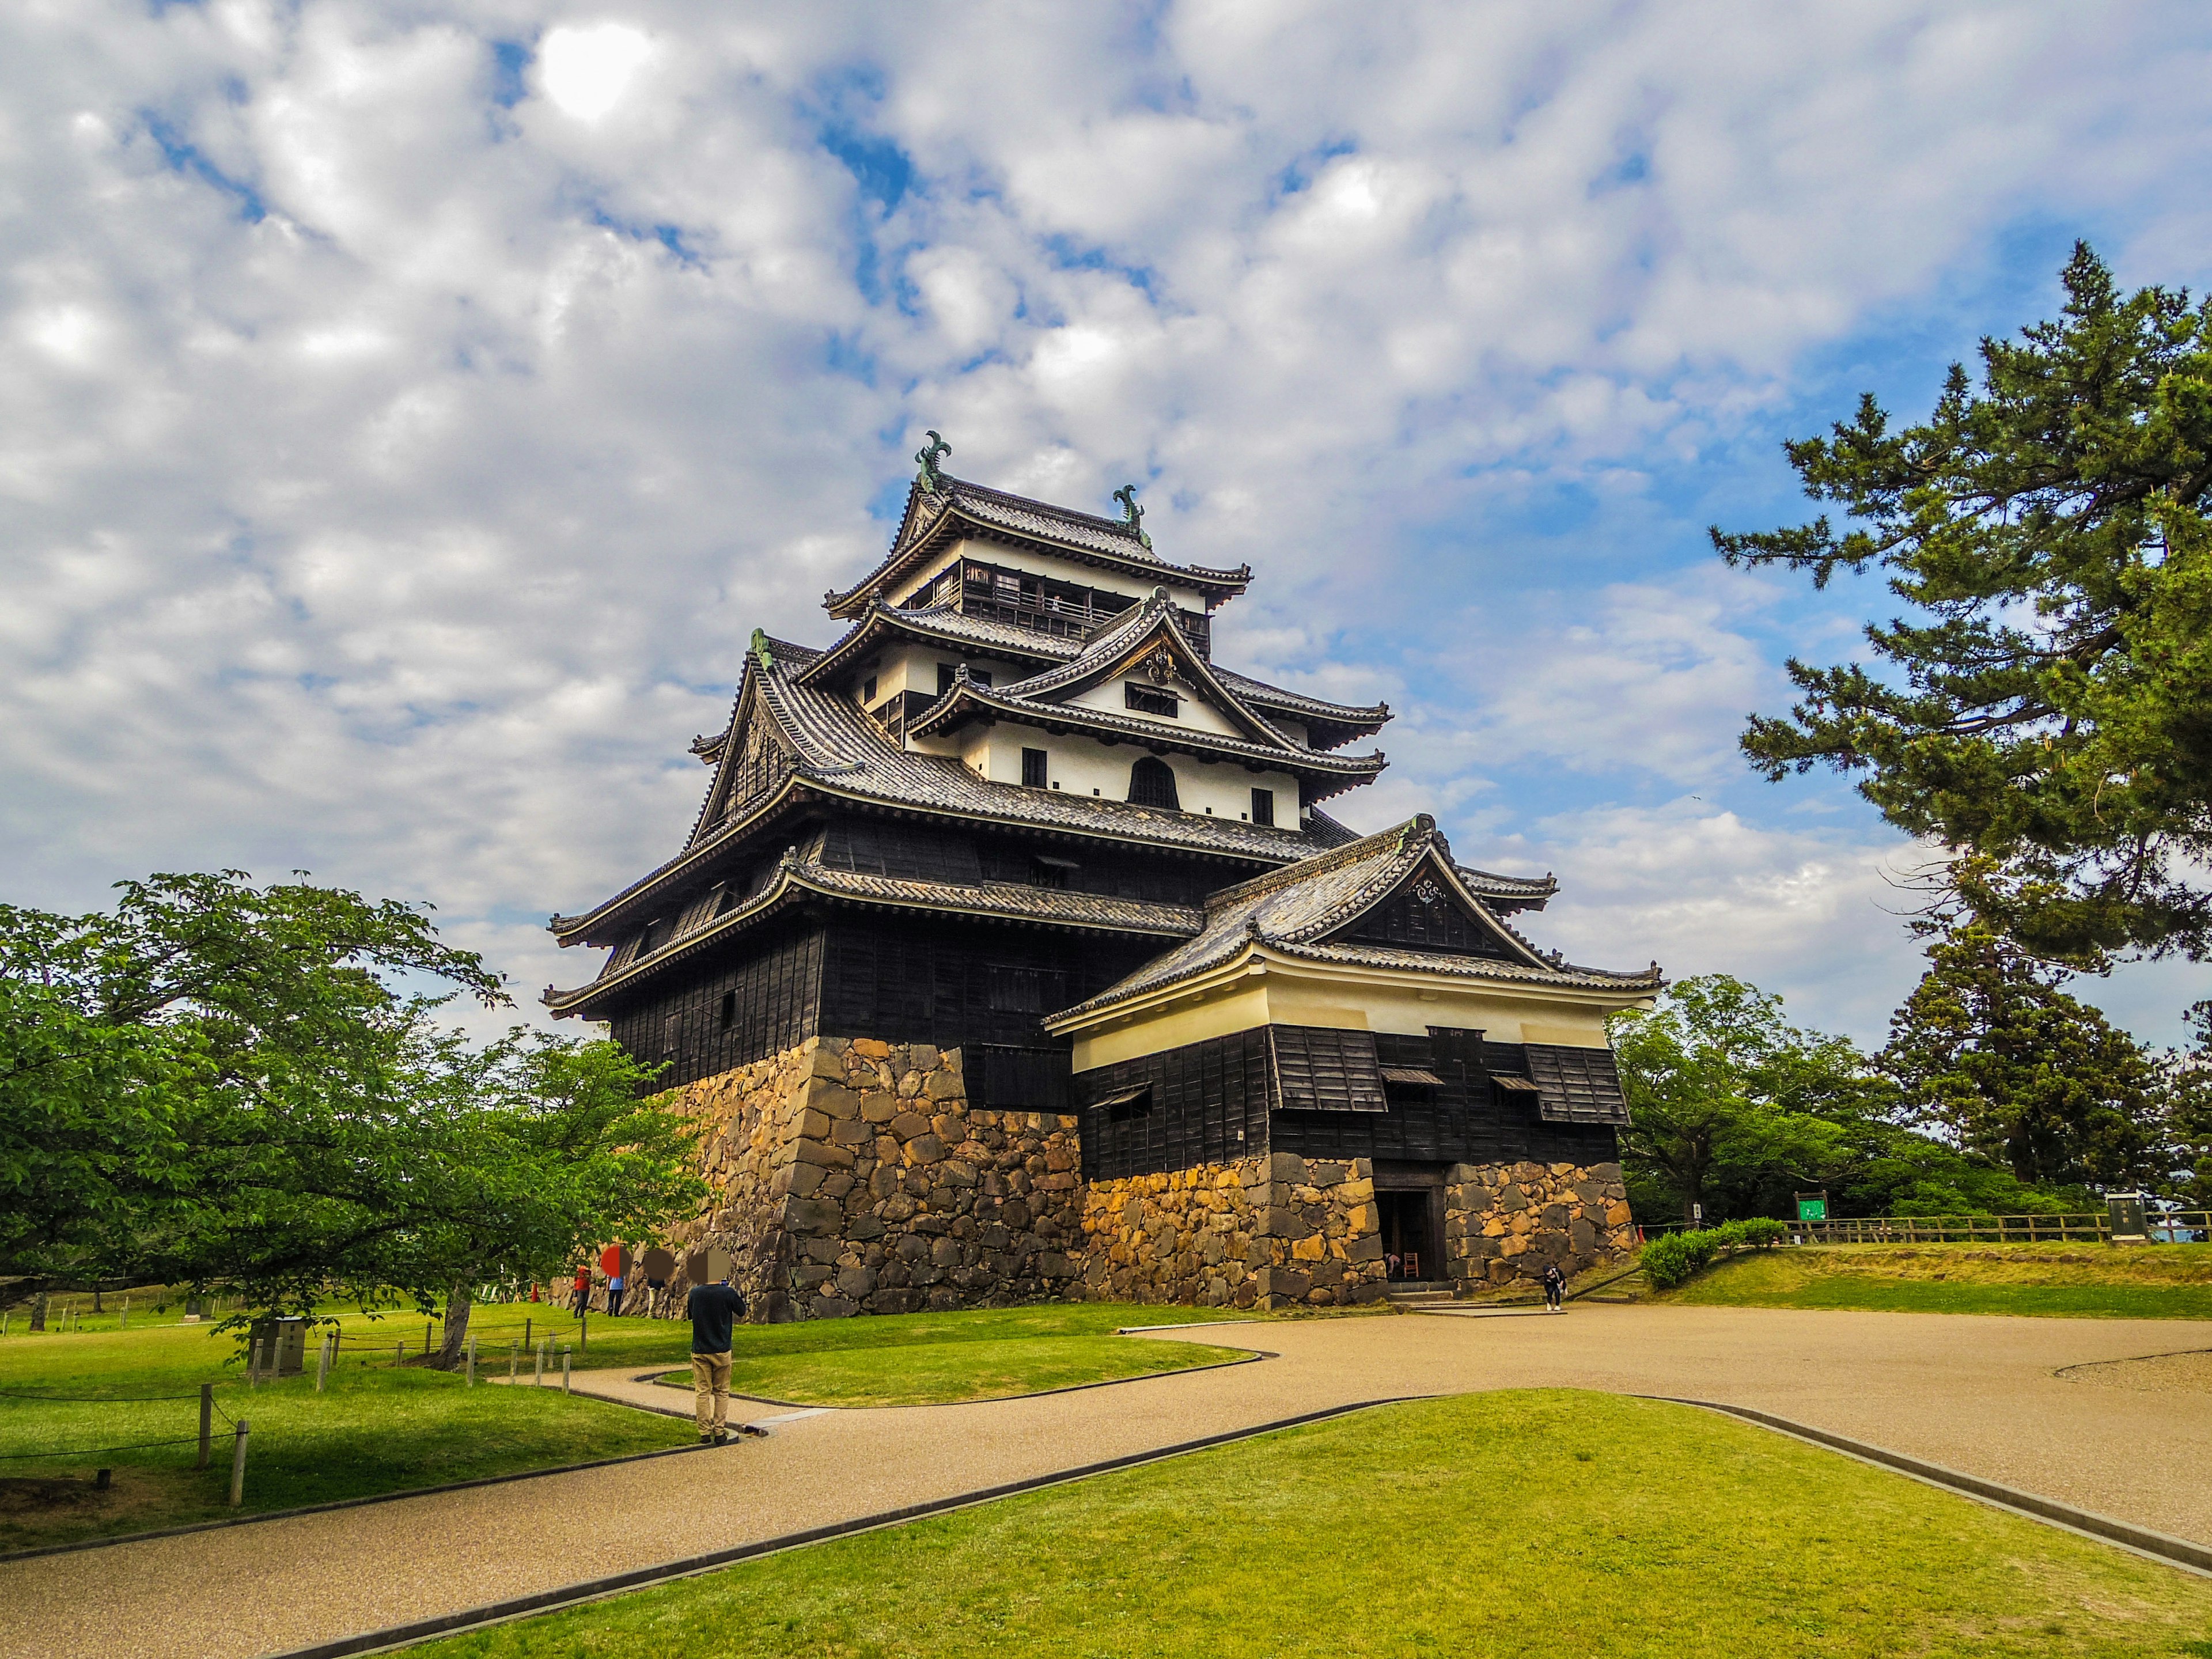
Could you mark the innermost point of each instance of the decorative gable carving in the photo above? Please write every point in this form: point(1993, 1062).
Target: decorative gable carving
point(1426, 913)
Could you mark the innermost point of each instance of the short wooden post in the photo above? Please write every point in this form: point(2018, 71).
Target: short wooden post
point(207, 1422)
point(537, 1377)
point(470, 1373)
point(513, 1356)
point(253, 1363)
point(238, 1467)
point(122, 1319)
point(323, 1362)
point(582, 1335)
point(399, 1355)
point(525, 1330)
point(565, 1388)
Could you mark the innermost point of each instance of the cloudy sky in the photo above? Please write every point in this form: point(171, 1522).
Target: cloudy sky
point(407, 411)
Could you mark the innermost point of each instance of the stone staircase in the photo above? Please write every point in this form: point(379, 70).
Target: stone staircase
point(1419, 1293)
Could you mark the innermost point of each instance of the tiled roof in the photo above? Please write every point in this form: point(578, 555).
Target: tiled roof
point(947, 626)
point(839, 751)
point(1294, 909)
point(1276, 699)
point(1047, 906)
point(1085, 535)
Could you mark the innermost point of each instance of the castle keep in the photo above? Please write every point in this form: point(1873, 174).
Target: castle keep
point(1014, 955)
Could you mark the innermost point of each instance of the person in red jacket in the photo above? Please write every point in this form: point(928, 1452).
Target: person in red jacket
point(583, 1289)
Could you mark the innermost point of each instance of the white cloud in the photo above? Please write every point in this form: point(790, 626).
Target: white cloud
point(396, 445)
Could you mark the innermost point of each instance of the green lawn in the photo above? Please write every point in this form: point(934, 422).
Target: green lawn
point(945, 1373)
point(2162, 1281)
point(1545, 1525)
point(379, 1429)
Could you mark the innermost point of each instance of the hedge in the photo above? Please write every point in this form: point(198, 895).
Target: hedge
point(1670, 1259)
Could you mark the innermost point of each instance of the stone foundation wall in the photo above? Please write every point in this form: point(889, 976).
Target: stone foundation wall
point(1266, 1232)
point(1506, 1221)
point(852, 1175)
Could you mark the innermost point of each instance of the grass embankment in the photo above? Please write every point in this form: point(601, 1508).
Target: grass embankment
point(2102, 1281)
point(929, 1359)
point(1553, 1525)
point(378, 1428)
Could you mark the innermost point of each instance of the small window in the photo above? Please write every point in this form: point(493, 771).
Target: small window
point(1046, 870)
point(1034, 763)
point(656, 935)
point(1263, 806)
point(1151, 700)
point(868, 690)
point(1027, 990)
point(725, 1016)
point(672, 1029)
point(1152, 783)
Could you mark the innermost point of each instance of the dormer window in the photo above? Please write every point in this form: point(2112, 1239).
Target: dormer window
point(1155, 700)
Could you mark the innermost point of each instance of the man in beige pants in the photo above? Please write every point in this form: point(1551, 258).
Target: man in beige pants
point(713, 1309)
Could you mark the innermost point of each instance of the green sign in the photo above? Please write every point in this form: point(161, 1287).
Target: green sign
point(1812, 1209)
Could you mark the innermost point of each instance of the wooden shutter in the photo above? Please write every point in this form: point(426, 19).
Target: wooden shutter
point(1320, 1070)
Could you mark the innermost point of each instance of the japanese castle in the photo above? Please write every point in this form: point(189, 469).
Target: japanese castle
point(1014, 847)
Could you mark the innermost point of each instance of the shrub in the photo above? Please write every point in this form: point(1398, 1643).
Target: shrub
point(1672, 1258)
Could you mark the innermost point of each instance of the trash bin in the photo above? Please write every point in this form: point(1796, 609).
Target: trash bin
point(283, 1344)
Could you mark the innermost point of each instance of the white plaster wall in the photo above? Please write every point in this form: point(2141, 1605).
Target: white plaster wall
point(914, 668)
point(1129, 584)
point(1084, 766)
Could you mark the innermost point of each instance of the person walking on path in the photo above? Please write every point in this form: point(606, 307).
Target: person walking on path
point(583, 1289)
point(1555, 1287)
point(713, 1309)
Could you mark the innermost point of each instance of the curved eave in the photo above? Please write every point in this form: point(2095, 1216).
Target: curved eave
point(967, 701)
point(692, 865)
point(1259, 957)
point(1217, 585)
point(879, 619)
point(797, 883)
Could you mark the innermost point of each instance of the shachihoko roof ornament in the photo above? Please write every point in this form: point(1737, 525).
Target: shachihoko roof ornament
point(929, 477)
point(1132, 514)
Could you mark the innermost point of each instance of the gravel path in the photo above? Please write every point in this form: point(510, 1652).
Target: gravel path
point(1978, 1394)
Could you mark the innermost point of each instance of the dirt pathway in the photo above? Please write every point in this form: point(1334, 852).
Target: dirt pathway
point(1978, 1394)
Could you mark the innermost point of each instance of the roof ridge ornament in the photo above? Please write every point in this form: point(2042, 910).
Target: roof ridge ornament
point(1133, 516)
point(759, 648)
point(929, 477)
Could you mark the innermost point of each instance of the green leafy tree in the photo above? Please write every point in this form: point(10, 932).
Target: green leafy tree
point(1729, 1107)
point(218, 1085)
point(2185, 1113)
point(1990, 1051)
point(2049, 702)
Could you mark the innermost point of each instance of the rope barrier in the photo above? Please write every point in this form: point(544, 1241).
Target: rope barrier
point(97, 1398)
point(93, 1451)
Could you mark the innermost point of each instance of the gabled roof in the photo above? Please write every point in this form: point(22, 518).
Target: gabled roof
point(836, 752)
point(1147, 630)
point(1302, 909)
point(934, 520)
point(796, 878)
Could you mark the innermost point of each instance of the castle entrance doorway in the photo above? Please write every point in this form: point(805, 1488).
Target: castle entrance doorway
point(1411, 1233)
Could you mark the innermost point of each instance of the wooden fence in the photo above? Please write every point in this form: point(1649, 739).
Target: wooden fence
point(2169, 1226)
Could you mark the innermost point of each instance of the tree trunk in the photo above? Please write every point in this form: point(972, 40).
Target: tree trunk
point(39, 1311)
point(458, 1303)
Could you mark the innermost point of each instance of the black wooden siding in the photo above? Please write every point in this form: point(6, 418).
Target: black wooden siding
point(927, 853)
point(769, 987)
point(1208, 1104)
point(1204, 1094)
point(1424, 916)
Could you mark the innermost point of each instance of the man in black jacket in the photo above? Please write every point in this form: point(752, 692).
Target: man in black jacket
point(713, 1309)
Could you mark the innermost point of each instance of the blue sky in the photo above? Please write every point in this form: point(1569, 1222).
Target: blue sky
point(407, 413)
